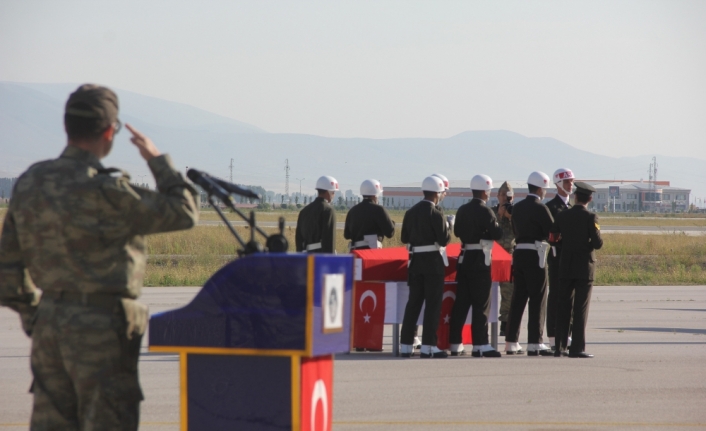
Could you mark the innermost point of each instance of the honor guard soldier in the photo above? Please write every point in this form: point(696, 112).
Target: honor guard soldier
point(579, 233)
point(426, 234)
point(368, 222)
point(316, 224)
point(564, 181)
point(75, 229)
point(503, 212)
point(478, 229)
point(532, 222)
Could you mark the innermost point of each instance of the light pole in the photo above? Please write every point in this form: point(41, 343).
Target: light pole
point(142, 178)
point(300, 184)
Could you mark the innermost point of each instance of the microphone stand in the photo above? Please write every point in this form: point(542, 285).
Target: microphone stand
point(213, 203)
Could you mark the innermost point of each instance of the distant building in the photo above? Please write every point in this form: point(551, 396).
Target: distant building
point(633, 195)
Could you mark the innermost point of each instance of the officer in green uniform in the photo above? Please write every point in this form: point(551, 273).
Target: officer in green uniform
point(503, 212)
point(368, 222)
point(579, 233)
point(75, 229)
point(316, 224)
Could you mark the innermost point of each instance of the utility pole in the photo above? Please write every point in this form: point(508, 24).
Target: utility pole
point(286, 177)
point(231, 170)
point(300, 184)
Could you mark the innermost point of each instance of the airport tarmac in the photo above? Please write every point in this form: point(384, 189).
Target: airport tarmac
point(649, 372)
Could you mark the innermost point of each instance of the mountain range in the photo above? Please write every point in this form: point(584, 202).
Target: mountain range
point(31, 129)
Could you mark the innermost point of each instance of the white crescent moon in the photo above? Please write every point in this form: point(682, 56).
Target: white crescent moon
point(369, 293)
point(319, 393)
point(449, 294)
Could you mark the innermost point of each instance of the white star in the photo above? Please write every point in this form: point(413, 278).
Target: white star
point(366, 318)
point(446, 319)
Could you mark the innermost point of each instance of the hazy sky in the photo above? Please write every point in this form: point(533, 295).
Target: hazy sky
point(615, 77)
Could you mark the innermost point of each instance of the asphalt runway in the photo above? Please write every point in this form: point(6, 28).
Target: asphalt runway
point(686, 230)
point(649, 373)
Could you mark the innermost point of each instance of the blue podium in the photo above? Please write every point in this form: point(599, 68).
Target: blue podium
point(256, 344)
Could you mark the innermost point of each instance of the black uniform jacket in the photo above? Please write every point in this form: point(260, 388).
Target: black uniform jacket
point(556, 206)
point(368, 218)
point(580, 236)
point(474, 222)
point(317, 223)
point(531, 220)
point(424, 224)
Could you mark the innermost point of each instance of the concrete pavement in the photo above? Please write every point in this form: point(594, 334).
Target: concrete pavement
point(649, 373)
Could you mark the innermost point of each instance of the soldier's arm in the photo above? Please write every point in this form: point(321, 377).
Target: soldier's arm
point(347, 227)
point(404, 237)
point(16, 289)
point(546, 222)
point(594, 231)
point(492, 227)
point(441, 230)
point(172, 207)
point(298, 237)
point(555, 231)
point(328, 236)
point(387, 226)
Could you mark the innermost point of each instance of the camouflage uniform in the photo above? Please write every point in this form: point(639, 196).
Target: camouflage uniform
point(75, 231)
point(508, 243)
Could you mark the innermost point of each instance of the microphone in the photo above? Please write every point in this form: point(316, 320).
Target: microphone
point(208, 184)
point(233, 188)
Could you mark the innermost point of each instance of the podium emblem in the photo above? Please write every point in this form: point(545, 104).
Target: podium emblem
point(332, 303)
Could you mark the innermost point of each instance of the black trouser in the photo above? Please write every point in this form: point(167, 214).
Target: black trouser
point(530, 282)
point(473, 289)
point(576, 296)
point(423, 288)
point(553, 302)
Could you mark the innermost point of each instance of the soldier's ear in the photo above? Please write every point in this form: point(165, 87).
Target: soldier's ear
point(109, 133)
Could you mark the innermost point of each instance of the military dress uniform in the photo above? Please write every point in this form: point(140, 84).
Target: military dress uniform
point(531, 221)
point(507, 242)
point(316, 228)
point(424, 226)
point(367, 218)
point(76, 231)
point(580, 236)
point(555, 205)
point(477, 228)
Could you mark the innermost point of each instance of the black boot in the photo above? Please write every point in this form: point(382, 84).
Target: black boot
point(503, 326)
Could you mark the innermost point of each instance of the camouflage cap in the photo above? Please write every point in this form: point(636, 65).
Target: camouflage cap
point(507, 188)
point(94, 102)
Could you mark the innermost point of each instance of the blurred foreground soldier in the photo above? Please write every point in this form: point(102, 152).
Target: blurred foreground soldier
point(368, 222)
point(579, 233)
point(425, 231)
point(478, 229)
point(75, 230)
point(532, 222)
point(564, 180)
point(503, 212)
point(316, 224)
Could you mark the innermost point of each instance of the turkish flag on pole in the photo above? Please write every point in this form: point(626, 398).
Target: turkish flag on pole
point(317, 393)
point(447, 304)
point(368, 315)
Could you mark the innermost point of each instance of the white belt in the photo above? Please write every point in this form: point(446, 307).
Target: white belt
point(429, 248)
point(368, 241)
point(542, 248)
point(486, 245)
point(314, 246)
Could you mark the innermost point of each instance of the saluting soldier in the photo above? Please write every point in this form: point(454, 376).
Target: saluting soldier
point(579, 233)
point(478, 229)
point(368, 222)
point(503, 212)
point(75, 229)
point(564, 181)
point(316, 224)
point(426, 233)
point(532, 222)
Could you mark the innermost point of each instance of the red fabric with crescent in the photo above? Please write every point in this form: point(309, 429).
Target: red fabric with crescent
point(317, 393)
point(447, 304)
point(368, 315)
point(390, 264)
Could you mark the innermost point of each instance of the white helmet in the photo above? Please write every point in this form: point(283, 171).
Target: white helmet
point(327, 183)
point(444, 179)
point(538, 179)
point(562, 174)
point(481, 182)
point(433, 184)
point(371, 188)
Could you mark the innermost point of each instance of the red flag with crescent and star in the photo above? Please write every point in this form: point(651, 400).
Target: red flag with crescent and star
point(317, 393)
point(369, 315)
point(447, 304)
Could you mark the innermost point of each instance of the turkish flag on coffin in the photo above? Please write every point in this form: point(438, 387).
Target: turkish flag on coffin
point(447, 304)
point(369, 315)
point(317, 393)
